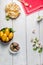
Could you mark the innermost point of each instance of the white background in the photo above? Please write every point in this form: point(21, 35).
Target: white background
point(23, 27)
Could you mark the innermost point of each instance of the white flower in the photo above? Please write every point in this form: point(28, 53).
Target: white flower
point(37, 45)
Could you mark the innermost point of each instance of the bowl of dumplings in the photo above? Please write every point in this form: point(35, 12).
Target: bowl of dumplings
point(12, 11)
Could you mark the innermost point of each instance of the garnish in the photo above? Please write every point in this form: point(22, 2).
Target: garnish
point(3, 29)
point(7, 18)
point(11, 30)
point(37, 46)
point(40, 50)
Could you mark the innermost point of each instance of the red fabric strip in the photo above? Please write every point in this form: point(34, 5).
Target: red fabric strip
point(32, 5)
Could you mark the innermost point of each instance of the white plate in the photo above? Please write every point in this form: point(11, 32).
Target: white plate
point(12, 52)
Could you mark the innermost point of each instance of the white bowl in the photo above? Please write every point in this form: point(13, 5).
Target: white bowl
point(12, 52)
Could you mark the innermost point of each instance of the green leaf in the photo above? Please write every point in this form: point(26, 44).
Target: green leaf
point(35, 49)
point(11, 30)
point(40, 50)
point(3, 29)
point(36, 39)
point(39, 17)
point(7, 18)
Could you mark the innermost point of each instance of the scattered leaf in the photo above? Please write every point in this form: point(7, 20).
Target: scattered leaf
point(7, 18)
point(3, 29)
point(36, 39)
point(40, 50)
point(11, 30)
point(35, 49)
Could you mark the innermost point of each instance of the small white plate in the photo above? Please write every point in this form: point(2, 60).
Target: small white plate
point(12, 52)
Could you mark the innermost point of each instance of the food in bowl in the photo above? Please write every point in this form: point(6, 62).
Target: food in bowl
point(12, 11)
point(6, 34)
point(14, 47)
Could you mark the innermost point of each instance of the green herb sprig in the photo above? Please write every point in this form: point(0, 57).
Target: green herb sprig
point(7, 18)
point(11, 30)
point(37, 46)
